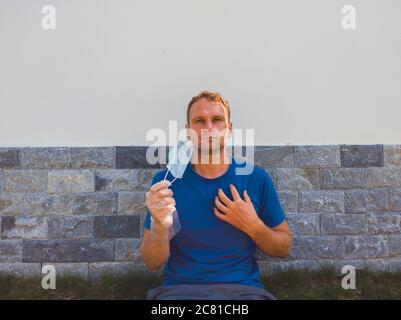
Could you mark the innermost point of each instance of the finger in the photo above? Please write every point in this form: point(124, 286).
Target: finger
point(167, 210)
point(170, 208)
point(220, 206)
point(247, 198)
point(235, 193)
point(163, 193)
point(159, 186)
point(219, 214)
point(226, 200)
point(162, 202)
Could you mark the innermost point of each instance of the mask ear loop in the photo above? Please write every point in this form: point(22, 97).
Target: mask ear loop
point(166, 174)
point(171, 182)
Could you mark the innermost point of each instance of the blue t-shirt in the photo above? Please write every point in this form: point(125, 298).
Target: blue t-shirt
point(208, 250)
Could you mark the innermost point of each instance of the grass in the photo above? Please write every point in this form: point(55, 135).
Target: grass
point(290, 284)
point(326, 284)
point(132, 285)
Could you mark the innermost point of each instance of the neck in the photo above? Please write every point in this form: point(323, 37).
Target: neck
point(214, 166)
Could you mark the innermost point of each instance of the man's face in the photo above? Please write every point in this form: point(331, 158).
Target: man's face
point(209, 126)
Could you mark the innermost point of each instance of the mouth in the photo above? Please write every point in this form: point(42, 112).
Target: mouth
point(209, 141)
point(210, 138)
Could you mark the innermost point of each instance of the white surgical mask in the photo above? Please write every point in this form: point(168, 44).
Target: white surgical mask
point(178, 158)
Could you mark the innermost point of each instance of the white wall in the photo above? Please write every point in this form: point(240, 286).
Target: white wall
point(112, 70)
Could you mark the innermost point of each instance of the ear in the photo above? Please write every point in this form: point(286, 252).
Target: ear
point(231, 129)
point(186, 127)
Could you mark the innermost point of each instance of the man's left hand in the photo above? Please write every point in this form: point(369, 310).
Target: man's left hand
point(238, 212)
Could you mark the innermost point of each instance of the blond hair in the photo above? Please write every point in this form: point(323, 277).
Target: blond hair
point(211, 97)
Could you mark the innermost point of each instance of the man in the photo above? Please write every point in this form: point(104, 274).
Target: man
point(224, 217)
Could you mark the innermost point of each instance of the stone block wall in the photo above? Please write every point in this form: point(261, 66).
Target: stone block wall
point(82, 209)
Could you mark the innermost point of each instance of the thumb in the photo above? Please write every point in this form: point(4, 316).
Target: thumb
point(171, 207)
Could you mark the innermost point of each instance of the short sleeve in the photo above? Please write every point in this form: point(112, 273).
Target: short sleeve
point(157, 177)
point(271, 211)
point(146, 224)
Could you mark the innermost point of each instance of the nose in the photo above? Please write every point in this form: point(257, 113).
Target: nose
point(207, 129)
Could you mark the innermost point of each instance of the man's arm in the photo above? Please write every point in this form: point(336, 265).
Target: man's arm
point(155, 248)
point(275, 241)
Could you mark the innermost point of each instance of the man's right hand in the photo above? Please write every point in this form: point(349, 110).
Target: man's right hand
point(160, 202)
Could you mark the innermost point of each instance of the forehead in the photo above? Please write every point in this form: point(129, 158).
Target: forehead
point(204, 107)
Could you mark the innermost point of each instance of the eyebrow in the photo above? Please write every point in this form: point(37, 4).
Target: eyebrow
point(214, 117)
